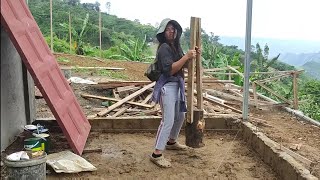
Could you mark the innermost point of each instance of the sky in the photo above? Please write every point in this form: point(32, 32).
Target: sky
point(278, 19)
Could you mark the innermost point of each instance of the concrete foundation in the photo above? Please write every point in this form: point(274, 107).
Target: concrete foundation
point(17, 93)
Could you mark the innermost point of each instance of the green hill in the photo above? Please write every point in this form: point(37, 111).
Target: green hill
point(312, 68)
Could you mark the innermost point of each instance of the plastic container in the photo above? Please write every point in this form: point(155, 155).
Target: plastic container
point(33, 144)
point(34, 168)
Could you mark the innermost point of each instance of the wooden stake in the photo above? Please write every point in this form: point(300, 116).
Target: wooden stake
point(254, 88)
point(100, 33)
point(70, 37)
point(51, 32)
point(295, 91)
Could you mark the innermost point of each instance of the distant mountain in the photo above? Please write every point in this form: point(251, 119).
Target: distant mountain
point(312, 68)
point(276, 46)
point(300, 59)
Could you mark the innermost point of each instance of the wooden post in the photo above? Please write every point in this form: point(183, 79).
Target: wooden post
point(190, 84)
point(100, 30)
point(51, 32)
point(194, 131)
point(199, 67)
point(195, 121)
point(254, 88)
point(70, 38)
point(295, 91)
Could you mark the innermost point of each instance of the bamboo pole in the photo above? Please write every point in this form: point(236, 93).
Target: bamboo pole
point(70, 38)
point(295, 91)
point(100, 32)
point(51, 32)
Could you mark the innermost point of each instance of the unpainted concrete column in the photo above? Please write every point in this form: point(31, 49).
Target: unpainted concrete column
point(15, 92)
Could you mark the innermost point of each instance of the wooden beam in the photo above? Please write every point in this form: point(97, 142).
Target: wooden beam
point(199, 67)
point(51, 31)
point(105, 68)
point(273, 78)
point(233, 69)
point(219, 69)
point(272, 92)
point(190, 83)
point(145, 101)
point(125, 118)
point(116, 100)
point(223, 105)
point(120, 111)
point(119, 103)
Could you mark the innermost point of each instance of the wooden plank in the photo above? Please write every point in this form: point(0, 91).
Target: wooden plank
point(199, 68)
point(274, 93)
point(146, 100)
point(190, 83)
point(219, 69)
point(119, 103)
point(126, 118)
point(223, 105)
point(114, 84)
point(105, 68)
point(295, 91)
point(115, 100)
point(119, 112)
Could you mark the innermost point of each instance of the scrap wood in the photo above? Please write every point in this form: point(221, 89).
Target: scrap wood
point(119, 103)
point(219, 69)
point(223, 105)
point(116, 100)
point(147, 98)
point(229, 96)
point(93, 117)
point(127, 88)
point(77, 67)
point(114, 84)
point(120, 112)
point(92, 150)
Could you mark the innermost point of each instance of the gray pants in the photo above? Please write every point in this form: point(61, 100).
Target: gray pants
point(172, 118)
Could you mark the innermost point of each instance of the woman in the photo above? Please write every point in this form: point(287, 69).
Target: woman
point(169, 89)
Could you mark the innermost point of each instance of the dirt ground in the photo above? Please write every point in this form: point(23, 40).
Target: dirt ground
point(284, 127)
point(225, 156)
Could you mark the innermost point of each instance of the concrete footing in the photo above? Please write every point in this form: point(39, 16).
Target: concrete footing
point(282, 163)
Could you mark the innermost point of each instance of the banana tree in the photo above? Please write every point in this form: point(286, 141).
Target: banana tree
point(133, 50)
point(78, 36)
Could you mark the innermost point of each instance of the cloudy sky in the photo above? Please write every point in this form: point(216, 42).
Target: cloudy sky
point(280, 19)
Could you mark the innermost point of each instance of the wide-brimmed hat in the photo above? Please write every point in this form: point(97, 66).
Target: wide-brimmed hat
point(163, 26)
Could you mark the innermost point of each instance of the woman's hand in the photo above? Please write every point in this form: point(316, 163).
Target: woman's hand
point(191, 54)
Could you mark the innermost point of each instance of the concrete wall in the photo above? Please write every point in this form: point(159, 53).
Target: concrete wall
point(17, 93)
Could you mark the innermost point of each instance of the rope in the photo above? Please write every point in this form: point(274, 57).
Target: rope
point(228, 149)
